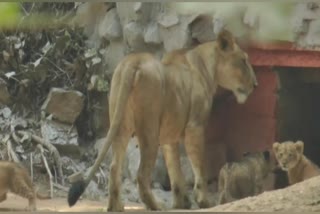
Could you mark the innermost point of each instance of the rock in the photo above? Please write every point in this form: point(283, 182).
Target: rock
point(5, 112)
point(152, 34)
point(202, 29)
point(98, 146)
point(110, 27)
point(93, 192)
point(133, 159)
point(114, 53)
point(4, 93)
point(133, 34)
point(63, 136)
point(175, 33)
point(64, 105)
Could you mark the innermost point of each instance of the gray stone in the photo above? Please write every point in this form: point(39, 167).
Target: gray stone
point(133, 34)
point(62, 136)
point(110, 27)
point(64, 105)
point(152, 34)
point(175, 35)
point(202, 29)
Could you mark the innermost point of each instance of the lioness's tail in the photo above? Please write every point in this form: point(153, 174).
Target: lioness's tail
point(127, 78)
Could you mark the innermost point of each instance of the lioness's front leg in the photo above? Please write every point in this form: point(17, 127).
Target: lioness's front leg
point(194, 144)
point(177, 181)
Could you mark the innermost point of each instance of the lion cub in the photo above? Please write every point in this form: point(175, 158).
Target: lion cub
point(15, 178)
point(291, 159)
point(244, 178)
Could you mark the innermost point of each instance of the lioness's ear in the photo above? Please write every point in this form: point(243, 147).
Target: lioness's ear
point(275, 146)
point(266, 155)
point(299, 146)
point(225, 40)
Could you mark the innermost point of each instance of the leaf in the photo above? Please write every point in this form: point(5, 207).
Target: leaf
point(96, 60)
point(10, 74)
point(47, 47)
point(37, 62)
point(90, 53)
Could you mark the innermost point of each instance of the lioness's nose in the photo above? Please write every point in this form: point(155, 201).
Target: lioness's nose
point(255, 84)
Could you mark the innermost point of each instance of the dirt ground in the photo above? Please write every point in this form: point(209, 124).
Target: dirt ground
point(304, 196)
point(16, 203)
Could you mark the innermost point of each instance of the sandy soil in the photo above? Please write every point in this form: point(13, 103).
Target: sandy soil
point(16, 203)
point(304, 196)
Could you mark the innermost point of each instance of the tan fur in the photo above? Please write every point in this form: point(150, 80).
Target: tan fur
point(168, 102)
point(244, 178)
point(15, 178)
point(290, 157)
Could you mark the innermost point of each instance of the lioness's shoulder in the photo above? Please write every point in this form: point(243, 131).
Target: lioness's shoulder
point(175, 56)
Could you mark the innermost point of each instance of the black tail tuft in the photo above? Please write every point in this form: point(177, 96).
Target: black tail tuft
point(75, 192)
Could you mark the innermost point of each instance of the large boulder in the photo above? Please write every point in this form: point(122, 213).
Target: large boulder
point(64, 105)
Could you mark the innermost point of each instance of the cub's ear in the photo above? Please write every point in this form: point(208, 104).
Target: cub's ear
point(225, 40)
point(275, 146)
point(266, 155)
point(299, 146)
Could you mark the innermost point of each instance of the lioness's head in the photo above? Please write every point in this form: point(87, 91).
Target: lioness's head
point(234, 72)
point(288, 153)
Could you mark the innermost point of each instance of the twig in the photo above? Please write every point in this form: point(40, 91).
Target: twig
point(58, 186)
point(53, 150)
point(55, 174)
point(12, 155)
point(47, 167)
point(103, 175)
point(31, 165)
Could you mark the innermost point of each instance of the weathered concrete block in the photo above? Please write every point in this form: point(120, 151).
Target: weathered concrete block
point(62, 136)
point(110, 27)
point(175, 31)
point(64, 105)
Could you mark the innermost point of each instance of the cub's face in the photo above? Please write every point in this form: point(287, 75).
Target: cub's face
point(288, 153)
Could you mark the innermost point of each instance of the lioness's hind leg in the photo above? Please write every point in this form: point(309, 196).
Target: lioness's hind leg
point(194, 144)
point(148, 151)
point(177, 181)
point(119, 148)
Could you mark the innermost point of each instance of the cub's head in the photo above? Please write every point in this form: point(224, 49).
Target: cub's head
point(288, 153)
point(234, 72)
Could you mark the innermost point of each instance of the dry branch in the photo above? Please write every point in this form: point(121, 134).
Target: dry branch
point(53, 150)
point(47, 168)
point(11, 153)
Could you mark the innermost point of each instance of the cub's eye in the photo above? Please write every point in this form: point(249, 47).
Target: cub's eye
point(280, 154)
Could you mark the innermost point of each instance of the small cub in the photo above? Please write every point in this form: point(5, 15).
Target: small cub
point(244, 178)
point(290, 157)
point(15, 178)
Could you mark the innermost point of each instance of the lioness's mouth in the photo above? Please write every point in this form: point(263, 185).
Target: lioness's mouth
point(242, 91)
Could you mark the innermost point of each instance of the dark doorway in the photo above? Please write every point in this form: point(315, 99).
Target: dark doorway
point(298, 112)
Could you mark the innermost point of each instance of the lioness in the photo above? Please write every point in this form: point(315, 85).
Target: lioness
point(290, 157)
point(244, 178)
point(163, 102)
point(15, 178)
